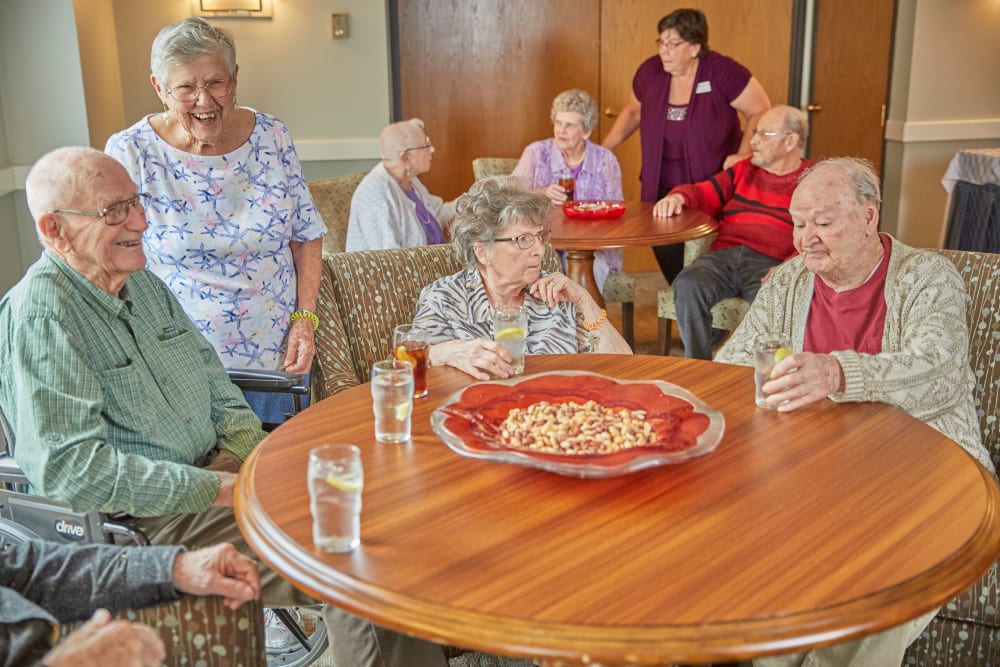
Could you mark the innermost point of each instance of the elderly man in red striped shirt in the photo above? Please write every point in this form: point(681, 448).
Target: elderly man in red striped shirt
point(750, 200)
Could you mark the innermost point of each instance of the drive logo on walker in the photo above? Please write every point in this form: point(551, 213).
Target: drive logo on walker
point(70, 529)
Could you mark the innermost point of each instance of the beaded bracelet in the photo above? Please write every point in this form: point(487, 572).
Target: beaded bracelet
point(308, 314)
point(590, 326)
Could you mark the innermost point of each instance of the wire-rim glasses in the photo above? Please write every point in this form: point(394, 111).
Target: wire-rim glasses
point(526, 241)
point(216, 89)
point(113, 214)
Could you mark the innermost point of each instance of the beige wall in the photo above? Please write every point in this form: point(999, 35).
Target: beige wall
point(945, 97)
point(95, 27)
point(333, 94)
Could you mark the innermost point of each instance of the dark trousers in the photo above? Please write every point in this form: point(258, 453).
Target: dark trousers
point(715, 276)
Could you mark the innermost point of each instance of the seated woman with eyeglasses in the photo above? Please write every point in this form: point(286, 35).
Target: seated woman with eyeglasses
point(391, 207)
point(499, 234)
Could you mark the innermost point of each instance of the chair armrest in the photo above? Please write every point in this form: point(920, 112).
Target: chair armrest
point(10, 472)
point(254, 379)
point(200, 630)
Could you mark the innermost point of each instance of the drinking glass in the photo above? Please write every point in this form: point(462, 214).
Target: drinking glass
point(771, 347)
point(336, 478)
point(392, 400)
point(510, 329)
point(567, 183)
point(412, 345)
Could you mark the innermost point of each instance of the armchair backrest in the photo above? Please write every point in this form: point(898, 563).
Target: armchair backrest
point(981, 273)
point(377, 290)
point(493, 166)
point(362, 296)
point(332, 197)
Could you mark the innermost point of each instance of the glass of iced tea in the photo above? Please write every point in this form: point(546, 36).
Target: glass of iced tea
point(411, 344)
point(567, 183)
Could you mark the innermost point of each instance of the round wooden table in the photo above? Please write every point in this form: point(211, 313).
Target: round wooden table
point(799, 530)
point(636, 228)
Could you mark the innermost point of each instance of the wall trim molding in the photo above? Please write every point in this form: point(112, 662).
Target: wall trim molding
point(317, 150)
point(12, 179)
point(311, 150)
point(943, 130)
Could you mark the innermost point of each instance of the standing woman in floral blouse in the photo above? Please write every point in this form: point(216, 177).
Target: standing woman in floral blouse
point(233, 229)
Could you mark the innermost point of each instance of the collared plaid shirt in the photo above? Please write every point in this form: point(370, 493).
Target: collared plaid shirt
point(114, 400)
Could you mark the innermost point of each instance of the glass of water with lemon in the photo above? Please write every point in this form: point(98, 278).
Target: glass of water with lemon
point(771, 347)
point(336, 479)
point(510, 329)
point(392, 400)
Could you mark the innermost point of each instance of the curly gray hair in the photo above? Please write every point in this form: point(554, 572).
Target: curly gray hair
point(579, 101)
point(182, 42)
point(490, 206)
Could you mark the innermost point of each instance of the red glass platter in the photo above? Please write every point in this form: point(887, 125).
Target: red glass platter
point(594, 210)
point(683, 427)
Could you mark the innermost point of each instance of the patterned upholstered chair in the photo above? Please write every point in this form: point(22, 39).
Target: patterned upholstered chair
point(195, 630)
point(725, 315)
point(492, 166)
point(966, 632)
point(619, 288)
point(333, 201)
point(362, 296)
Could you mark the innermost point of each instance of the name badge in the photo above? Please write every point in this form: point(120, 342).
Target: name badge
point(703, 87)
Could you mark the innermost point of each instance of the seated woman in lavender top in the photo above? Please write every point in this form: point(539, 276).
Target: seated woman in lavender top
point(391, 207)
point(594, 169)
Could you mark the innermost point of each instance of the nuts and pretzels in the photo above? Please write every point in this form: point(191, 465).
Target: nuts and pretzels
point(575, 428)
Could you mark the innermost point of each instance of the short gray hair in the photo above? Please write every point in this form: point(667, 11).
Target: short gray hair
point(579, 101)
point(66, 177)
point(490, 206)
point(182, 42)
point(795, 122)
point(860, 175)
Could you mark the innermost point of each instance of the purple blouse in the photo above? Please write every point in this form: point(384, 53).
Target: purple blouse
point(599, 175)
point(709, 131)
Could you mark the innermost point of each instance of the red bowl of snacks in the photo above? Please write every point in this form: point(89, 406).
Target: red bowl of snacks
point(594, 210)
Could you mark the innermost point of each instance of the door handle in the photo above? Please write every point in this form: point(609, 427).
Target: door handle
point(814, 107)
point(609, 113)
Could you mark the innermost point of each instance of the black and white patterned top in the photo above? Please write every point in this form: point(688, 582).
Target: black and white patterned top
point(456, 307)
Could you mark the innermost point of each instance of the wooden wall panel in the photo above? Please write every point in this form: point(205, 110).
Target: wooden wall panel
point(482, 74)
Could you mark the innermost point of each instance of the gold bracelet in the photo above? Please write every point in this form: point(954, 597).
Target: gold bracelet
point(590, 326)
point(308, 314)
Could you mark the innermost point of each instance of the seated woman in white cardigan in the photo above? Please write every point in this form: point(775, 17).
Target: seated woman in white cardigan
point(391, 207)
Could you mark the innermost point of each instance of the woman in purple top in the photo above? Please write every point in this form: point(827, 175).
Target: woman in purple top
point(687, 102)
point(594, 169)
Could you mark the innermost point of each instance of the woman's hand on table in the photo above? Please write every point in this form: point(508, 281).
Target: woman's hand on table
point(556, 194)
point(301, 347)
point(669, 205)
point(803, 378)
point(481, 358)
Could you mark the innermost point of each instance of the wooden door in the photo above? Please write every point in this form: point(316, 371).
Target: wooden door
point(482, 75)
point(850, 88)
point(757, 34)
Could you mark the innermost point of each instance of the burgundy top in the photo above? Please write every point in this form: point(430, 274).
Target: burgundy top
point(709, 132)
point(850, 320)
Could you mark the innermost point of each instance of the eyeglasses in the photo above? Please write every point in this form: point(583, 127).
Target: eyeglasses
point(426, 145)
point(113, 214)
point(763, 133)
point(527, 241)
point(187, 94)
point(669, 46)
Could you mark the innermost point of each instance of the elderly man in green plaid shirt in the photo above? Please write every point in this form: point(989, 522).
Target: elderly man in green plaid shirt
point(118, 403)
